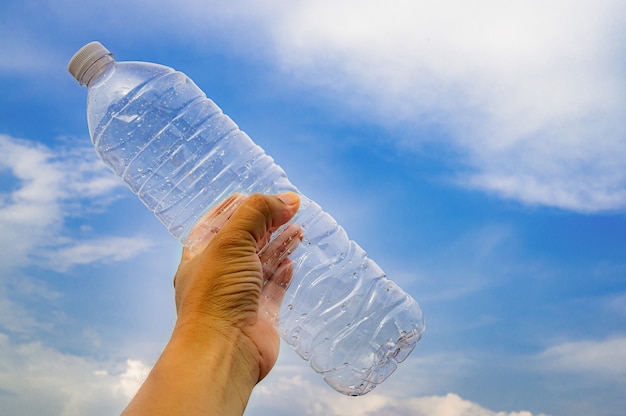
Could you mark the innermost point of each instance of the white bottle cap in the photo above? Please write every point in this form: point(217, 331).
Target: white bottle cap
point(85, 58)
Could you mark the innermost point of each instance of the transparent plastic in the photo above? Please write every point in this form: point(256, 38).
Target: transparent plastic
point(182, 156)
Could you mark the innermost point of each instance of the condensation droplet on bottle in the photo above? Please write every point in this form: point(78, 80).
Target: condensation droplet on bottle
point(295, 335)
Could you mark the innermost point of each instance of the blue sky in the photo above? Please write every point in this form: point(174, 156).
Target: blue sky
point(476, 151)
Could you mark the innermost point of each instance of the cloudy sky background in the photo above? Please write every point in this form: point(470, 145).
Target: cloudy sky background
point(476, 151)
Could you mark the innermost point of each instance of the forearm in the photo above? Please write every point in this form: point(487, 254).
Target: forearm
point(200, 372)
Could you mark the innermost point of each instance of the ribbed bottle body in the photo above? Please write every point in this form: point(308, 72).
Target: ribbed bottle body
point(179, 152)
point(341, 312)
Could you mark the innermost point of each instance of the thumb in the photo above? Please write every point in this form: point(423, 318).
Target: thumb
point(261, 214)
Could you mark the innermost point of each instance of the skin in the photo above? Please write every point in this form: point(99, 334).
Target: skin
point(228, 293)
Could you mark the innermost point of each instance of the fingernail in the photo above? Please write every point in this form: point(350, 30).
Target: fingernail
point(289, 198)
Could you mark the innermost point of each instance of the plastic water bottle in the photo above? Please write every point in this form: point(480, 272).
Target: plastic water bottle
point(182, 156)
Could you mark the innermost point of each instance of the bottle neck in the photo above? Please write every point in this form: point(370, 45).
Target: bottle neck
point(96, 69)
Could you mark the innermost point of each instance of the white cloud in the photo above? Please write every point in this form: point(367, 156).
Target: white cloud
point(605, 359)
point(39, 381)
point(41, 190)
point(30, 211)
point(414, 389)
point(529, 91)
point(311, 399)
point(102, 250)
point(449, 405)
point(530, 94)
point(45, 188)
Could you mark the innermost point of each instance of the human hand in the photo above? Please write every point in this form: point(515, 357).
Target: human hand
point(229, 286)
point(230, 281)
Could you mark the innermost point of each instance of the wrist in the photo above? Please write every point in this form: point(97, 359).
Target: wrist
point(202, 371)
point(225, 350)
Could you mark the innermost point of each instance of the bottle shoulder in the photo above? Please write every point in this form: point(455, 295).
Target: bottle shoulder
point(116, 84)
point(121, 78)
